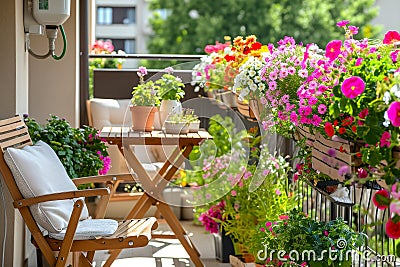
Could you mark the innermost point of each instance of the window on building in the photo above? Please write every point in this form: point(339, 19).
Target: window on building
point(116, 15)
point(126, 45)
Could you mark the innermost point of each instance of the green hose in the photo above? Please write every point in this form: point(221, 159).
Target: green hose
point(65, 44)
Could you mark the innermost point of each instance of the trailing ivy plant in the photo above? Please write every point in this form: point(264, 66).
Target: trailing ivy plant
point(81, 151)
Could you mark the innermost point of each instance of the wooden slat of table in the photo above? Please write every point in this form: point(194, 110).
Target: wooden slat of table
point(125, 132)
point(205, 135)
point(116, 131)
point(105, 132)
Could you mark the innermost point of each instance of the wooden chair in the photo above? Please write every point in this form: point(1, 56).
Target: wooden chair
point(17, 150)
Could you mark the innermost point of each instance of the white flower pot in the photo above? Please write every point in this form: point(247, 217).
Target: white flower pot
point(176, 127)
point(168, 107)
point(194, 126)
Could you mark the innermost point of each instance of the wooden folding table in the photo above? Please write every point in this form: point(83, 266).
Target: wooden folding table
point(124, 137)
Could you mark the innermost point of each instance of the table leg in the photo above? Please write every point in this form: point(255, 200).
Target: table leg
point(180, 233)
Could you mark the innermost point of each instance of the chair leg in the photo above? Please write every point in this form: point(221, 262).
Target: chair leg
point(113, 256)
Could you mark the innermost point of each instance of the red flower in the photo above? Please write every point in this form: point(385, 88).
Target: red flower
point(381, 199)
point(229, 58)
point(256, 46)
point(363, 114)
point(332, 50)
point(342, 130)
point(335, 123)
point(347, 121)
point(342, 150)
point(329, 129)
point(391, 37)
point(354, 129)
point(393, 229)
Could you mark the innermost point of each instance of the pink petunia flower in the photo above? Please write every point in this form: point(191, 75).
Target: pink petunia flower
point(332, 50)
point(362, 173)
point(359, 61)
point(394, 55)
point(233, 193)
point(395, 207)
point(394, 113)
point(278, 192)
point(391, 37)
point(322, 109)
point(385, 139)
point(353, 30)
point(342, 23)
point(353, 87)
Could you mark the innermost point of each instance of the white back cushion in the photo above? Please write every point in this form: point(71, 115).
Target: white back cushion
point(38, 171)
point(110, 112)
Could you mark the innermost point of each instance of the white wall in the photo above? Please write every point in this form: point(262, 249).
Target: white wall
point(54, 85)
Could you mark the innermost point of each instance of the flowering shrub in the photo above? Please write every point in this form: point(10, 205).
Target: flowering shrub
point(295, 231)
point(212, 217)
point(81, 151)
point(145, 93)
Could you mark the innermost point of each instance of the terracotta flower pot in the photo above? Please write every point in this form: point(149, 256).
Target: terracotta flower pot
point(143, 118)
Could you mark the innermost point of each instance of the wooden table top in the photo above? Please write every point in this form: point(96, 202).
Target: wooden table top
point(117, 135)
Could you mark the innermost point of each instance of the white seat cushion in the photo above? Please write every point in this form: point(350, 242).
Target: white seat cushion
point(38, 171)
point(90, 229)
point(110, 112)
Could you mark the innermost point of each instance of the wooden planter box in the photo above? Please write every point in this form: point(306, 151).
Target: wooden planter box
point(343, 152)
point(235, 261)
point(244, 109)
point(304, 132)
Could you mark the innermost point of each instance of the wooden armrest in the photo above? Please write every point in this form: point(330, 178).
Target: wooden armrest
point(61, 196)
point(102, 179)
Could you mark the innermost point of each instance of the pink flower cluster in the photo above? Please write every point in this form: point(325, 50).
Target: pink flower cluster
point(208, 218)
point(216, 48)
point(106, 163)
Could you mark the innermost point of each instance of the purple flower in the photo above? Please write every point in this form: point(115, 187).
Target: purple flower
point(285, 99)
point(169, 70)
point(353, 87)
point(394, 113)
point(332, 49)
point(294, 118)
point(312, 101)
point(344, 170)
point(142, 71)
point(342, 23)
point(332, 152)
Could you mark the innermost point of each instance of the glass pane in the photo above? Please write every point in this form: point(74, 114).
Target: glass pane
point(104, 15)
point(124, 15)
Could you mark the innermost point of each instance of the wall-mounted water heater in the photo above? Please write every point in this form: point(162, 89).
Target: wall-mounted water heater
point(46, 16)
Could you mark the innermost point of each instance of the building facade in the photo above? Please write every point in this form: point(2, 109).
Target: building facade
point(124, 22)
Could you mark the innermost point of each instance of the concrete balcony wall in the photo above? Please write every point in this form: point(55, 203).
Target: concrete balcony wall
point(117, 31)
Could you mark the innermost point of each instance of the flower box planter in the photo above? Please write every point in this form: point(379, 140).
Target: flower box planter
point(329, 156)
point(244, 109)
point(304, 132)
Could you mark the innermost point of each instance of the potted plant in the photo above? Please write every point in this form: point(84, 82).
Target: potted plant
point(82, 152)
point(144, 102)
point(192, 119)
point(170, 92)
point(298, 240)
point(176, 124)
